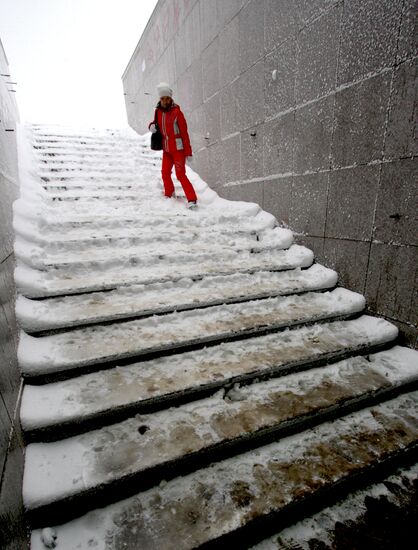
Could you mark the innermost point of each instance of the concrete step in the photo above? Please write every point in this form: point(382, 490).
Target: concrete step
point(145, 449)
point(145, 300)
point(356, 521)
point(157, 335)
point(219, 504)
point(198, 250)
point(53, 410)
point(33, 283)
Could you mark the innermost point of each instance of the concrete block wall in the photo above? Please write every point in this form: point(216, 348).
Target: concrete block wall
point(13, 533)
point(307, 107)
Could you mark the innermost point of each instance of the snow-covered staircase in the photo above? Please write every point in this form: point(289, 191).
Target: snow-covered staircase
point(192, 378)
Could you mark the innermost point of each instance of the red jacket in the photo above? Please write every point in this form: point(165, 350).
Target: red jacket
point(173, 127)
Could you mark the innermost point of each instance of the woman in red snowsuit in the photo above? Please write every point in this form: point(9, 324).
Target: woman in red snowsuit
point(176, 143)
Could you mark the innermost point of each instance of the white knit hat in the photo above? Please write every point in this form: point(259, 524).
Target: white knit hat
point(164, 90)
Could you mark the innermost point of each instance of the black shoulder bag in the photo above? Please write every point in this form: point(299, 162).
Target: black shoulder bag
point(156, 137)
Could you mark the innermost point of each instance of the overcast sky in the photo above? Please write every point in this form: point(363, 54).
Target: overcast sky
point(68, 57)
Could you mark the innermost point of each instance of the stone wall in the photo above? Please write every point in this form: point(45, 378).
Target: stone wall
point(13, 534)
point(307, 107)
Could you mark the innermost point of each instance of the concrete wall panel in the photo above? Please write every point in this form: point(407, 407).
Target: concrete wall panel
point(279, 79)
point(13, 533)
point(313, 131)
point(248, 192)
point(251, 40)
point(277, 198)
point(210, 60)
point(252, 152)
point(230, 109)
point(227, 11)
point(279, 144)
point(408, 34)
point(317, 55)
point(208, 21)
point(251, 96)
point(351, 203)
point(309, 204)
point(10, 377)
point(396, 212)
point(390, 290)
point(229, 46)
point(350, 260)
point(369, 36)
point(230, 155)
point(360, 117)
point(212, 127)
point(401, 137)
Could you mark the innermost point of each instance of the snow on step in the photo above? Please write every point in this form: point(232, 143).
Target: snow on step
point(215, 501)
point(323, 529)
point(34, 283)
point(80, 237)
point(93, 345)
point(55, 471)
point(157, 213)
point(117, 194)
point(140, 300)
point(39, 258)
point(152, 381)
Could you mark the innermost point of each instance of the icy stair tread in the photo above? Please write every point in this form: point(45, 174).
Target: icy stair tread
point(221, 499)
point(34, 283)
point(98, 344)
point(134, 387)
point(55, 471)
point(37, 315)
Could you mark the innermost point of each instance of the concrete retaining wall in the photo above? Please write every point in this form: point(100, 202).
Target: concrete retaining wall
point(13, 534)
point(309, 109)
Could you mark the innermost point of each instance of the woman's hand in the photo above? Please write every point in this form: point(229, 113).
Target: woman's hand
point(152, 128)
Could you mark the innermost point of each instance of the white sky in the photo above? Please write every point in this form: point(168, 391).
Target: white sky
point(68, 57)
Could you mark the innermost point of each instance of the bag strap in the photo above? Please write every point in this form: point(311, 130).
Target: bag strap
point(155, 117)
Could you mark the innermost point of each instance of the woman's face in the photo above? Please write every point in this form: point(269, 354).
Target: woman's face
point(165, 101)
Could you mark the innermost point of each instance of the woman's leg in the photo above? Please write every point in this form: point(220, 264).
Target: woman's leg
point(180, 166)
point(167, 166)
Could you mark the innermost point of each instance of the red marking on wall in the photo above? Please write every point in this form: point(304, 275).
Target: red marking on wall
point(176, 14)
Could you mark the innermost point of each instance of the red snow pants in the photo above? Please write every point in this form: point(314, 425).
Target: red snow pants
point(178, 159)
